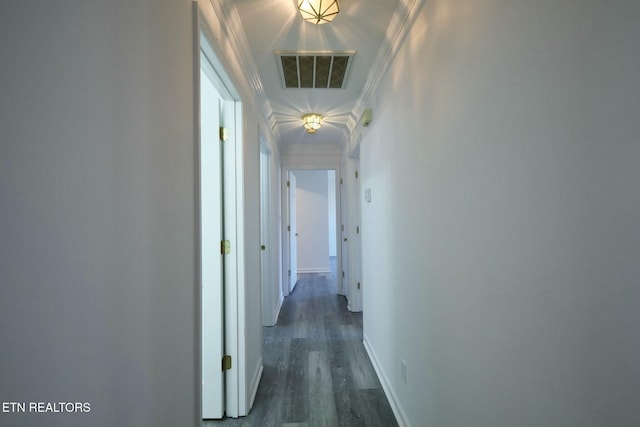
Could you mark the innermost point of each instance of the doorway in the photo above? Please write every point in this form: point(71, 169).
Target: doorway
point(219, 246)
point(311, 210)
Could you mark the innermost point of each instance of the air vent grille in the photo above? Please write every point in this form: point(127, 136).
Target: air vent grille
point(314, 70)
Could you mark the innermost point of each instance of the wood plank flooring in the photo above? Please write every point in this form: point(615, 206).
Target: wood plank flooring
point(316, 370)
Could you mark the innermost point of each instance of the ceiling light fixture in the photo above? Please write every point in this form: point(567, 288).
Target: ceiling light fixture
point(318, 11)
point(312, 122)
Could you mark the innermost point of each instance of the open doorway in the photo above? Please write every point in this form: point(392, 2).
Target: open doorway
point(311, 230)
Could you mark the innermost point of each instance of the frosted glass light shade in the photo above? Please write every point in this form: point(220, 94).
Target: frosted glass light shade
point(311, 122)
point(318, 11)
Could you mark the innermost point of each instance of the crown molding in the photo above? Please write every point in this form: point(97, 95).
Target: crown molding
point(401, 22)
point(231, 23)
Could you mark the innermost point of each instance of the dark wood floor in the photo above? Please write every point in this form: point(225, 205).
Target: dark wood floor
point(316, 370)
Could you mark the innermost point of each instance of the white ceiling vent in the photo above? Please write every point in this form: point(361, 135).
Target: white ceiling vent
point(314, 70)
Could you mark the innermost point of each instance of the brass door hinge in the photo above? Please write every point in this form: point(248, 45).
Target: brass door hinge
point(226, 362)
point(225, 247)
point(224, 134)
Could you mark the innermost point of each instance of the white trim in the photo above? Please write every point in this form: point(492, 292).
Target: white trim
point(239, 317)
point(396, 406)
point(313, 270)
point(198, 226)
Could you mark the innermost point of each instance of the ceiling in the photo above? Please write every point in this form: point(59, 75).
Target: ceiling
point(276, 25)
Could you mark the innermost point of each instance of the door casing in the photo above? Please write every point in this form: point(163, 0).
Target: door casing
point(285, 254)
point(235, 400)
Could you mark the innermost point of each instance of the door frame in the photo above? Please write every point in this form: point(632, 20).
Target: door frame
point(292, 230)
point(344, 275)
point(210, 223)
point(355, 255)
point(232, 170)
point(285, 222)
point(352, 197)
point(352, 208)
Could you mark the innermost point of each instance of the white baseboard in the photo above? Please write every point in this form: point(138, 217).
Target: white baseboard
point(396, 407)
point(255, 382)
point(314, 270)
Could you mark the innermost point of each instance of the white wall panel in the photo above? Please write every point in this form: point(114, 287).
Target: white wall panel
point(501, 244)
point(312, 221)
point(97, 194)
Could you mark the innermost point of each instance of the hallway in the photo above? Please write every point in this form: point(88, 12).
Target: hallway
point(316, 370)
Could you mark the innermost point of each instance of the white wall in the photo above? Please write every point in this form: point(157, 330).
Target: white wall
point(97, 294)
point(312, 221)
point(311, 156)
point(501, 245)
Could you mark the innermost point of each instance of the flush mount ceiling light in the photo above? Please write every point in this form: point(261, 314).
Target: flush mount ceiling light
point(312, 122)
point(318, 11)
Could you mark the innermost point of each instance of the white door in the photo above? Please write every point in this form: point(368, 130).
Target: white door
point(356, 248)
point(293, 234)
point(343, 276)
point(265, 247)
point(210, 254)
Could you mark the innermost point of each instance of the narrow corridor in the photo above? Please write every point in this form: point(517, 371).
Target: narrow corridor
point(316, 370)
